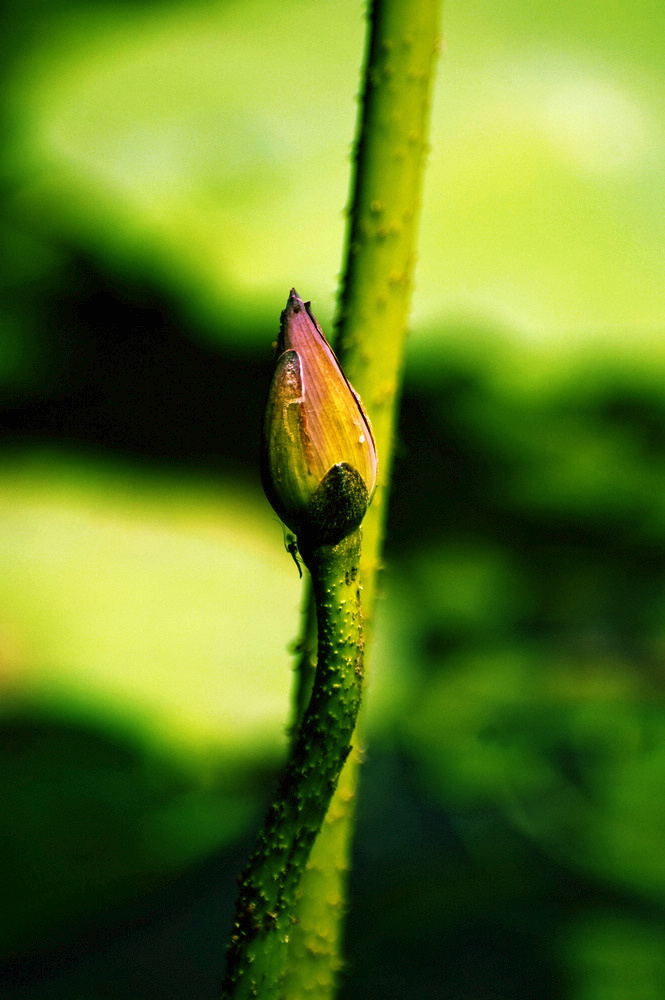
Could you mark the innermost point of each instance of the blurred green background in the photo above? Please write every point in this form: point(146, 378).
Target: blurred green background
point(168, 171)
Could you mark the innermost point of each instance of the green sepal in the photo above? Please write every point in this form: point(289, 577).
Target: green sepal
point(337, 506)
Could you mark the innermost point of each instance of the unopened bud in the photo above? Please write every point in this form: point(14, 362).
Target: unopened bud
point(319, 459)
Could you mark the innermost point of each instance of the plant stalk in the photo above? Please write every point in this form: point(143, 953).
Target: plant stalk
point(390, 155)
point(265, 911)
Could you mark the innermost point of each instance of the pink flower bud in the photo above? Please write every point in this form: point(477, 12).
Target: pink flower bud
point(319, 460)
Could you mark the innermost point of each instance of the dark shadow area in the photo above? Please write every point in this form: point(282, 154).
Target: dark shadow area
point(428, 906)
point(115, 368)
point(95, 898)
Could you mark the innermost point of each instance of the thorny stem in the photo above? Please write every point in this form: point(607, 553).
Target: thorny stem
point(264, 917)
point(374, 304)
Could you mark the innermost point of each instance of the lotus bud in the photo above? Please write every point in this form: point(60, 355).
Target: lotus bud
point(319, 459)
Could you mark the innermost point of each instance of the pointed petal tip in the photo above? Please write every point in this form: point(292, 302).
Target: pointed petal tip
point(294, 303)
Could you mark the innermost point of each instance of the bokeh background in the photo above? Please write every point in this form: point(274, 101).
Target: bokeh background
point(168, 171)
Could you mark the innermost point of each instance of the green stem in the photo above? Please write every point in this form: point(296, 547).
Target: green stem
point(374, 304)
point(264, 918)
point(305, 665)
point(381, 251)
